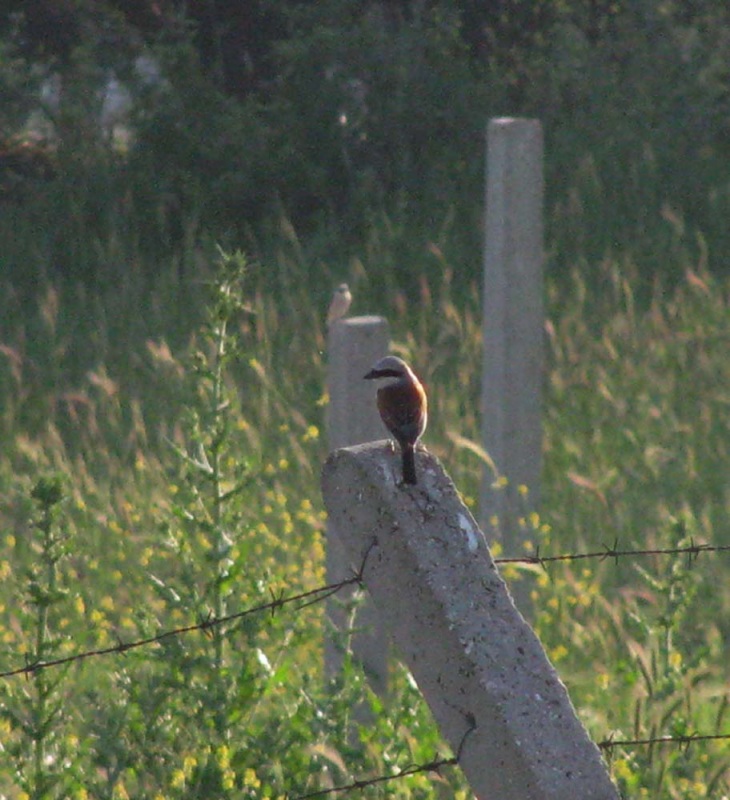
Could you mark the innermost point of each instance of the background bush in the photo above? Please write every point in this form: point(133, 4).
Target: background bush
point(338, 111)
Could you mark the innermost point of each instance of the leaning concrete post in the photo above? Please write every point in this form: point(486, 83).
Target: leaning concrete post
point(513, 326)
point(478, 663)
point(354, 345)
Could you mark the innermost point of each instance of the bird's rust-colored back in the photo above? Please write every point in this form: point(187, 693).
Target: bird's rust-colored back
point(403, 408)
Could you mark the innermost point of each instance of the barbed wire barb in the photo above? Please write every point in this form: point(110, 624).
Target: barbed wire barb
point(276, 601)
point(694, 555)
point(611, 552)
point(356, 577)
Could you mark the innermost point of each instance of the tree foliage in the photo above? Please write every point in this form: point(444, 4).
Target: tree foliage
point(336, 108)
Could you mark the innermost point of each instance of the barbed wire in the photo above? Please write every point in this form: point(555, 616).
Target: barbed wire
point(363, 783)
point(436, 764)
point(686, 740)
point(429, 766)
point(312, 596)
point(322, 593)
point(691, 550)
point(305, 599)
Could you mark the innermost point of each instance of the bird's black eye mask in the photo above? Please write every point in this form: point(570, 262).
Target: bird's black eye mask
point(384, 373)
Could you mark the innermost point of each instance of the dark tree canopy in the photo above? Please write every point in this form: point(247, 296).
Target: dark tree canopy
point(340, 107)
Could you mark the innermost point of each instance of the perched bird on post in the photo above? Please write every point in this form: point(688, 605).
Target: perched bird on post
point(403, 408)
point(340, 304)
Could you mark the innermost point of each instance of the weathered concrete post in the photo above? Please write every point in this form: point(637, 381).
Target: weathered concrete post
point(513, 326)
point(354, 345)
point(478, 663)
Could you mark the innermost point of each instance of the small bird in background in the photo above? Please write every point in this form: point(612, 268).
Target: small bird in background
point(340, 304)
point(403, 408)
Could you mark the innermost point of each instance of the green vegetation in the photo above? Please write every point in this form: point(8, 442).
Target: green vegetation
point(162, 395)
point(191, 489)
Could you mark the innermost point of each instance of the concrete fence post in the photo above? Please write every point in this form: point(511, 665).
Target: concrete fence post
point(354, 345)
point(478, 663)
point(513, 327)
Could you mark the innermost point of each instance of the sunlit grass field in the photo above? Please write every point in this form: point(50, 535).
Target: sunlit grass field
point(184, 413)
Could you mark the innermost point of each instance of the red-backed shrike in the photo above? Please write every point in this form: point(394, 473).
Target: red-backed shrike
point(403, 407)
point(340, 304)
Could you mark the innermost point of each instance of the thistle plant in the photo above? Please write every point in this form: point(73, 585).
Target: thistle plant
point(36, 711)
point(213, 479)
point(207, 530)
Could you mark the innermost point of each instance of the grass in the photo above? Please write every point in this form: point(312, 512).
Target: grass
point(122, 390)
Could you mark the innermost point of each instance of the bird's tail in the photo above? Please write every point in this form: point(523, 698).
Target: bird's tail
point(409, 464)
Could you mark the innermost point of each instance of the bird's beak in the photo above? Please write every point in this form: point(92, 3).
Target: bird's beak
point(372, 374)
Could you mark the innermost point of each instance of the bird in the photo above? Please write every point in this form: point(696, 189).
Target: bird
point(340, 304)
point(403, 407)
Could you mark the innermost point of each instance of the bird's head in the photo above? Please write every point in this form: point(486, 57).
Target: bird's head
point(391, 368)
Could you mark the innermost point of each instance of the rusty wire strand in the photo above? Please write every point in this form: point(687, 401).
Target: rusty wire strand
point(322, 593)
point(436, 764)
point(686, 740)
point(691, 550)
point(303, 598)
point(414, 769)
